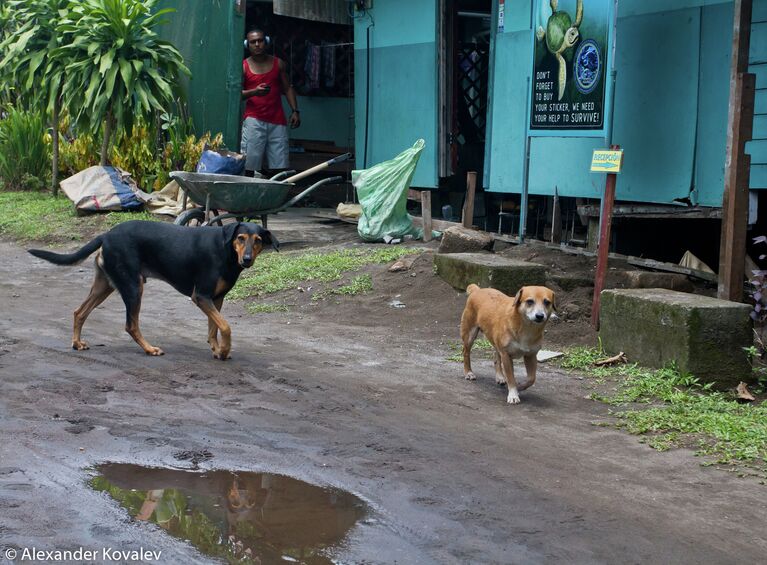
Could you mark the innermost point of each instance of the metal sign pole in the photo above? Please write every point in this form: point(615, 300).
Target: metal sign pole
point(608, 198)
point(525, 178)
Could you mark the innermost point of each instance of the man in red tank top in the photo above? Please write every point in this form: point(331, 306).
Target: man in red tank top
point(264, 127)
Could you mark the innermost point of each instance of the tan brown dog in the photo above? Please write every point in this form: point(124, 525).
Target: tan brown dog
point(514, 326)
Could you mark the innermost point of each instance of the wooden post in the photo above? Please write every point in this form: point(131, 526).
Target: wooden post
point(468, 203)
point(604, 243)
point(737, 166)
point(426, 214)
point(556, 219)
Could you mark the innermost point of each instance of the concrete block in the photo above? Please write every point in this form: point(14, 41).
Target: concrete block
point(704, 336)
point(457, 239)
point(486, 270)
point(649, 279)
point(571, 281)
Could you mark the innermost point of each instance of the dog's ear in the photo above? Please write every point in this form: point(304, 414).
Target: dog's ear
point(554, 301)
point(518, 297)
point(230, 230)
point(268, 238)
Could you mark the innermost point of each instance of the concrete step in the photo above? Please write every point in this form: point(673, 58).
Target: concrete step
point(488, 270)
point(703, 336)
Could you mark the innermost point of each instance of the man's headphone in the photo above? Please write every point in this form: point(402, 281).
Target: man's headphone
point(267, 39)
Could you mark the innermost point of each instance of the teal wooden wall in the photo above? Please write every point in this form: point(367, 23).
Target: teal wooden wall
point(758, 66)
point(324, 118)
point(403, 84)
point(671, 101)
point(208, 34)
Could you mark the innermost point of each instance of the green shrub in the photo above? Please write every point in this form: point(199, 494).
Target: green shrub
point(136, 153)
point(24, 150)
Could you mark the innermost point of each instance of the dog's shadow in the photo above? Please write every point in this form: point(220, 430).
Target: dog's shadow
point(529, 397)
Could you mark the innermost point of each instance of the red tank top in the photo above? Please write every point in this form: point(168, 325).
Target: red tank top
point(265, 108)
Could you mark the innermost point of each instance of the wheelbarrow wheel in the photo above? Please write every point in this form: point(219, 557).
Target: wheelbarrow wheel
point(193, 217)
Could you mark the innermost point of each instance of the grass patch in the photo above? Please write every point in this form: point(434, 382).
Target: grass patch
point(679, 410)
point(358, 285)
point(257, 308)
point(483, 346)
point(27, 216)
point(274, 272)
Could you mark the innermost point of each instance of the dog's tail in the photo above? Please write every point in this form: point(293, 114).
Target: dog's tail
point(471, 288)
point(68, 258)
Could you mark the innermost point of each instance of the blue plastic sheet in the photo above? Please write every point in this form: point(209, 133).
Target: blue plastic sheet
point(221, 162)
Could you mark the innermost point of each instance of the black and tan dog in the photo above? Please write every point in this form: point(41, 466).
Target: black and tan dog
point(203, 263)
point(514, 326)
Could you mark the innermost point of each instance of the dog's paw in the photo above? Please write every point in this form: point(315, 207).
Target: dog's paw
point(221, 355)
point(155, 351)
point(500, 380)
point(80, 346)
point(513, 397)
point(470, 376)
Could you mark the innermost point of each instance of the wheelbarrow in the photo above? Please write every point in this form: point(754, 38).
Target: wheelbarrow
point(242, 197)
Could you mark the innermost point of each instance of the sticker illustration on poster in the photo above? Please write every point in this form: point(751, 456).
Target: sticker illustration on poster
point(570, 66)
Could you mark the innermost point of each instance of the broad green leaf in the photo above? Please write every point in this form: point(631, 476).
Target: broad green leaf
point(126, 72)
point(106, 61)
point(110, 80)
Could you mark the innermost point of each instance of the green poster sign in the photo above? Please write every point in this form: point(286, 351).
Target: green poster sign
point(571, 67)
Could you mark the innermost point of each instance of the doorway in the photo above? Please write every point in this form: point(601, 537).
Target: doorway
point(464, 77)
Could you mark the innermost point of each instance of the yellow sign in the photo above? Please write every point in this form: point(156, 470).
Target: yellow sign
point(604, 161)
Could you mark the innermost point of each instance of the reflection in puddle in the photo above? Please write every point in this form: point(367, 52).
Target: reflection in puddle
point(240, 517)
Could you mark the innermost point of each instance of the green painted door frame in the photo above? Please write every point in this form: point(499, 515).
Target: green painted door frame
point(209, 36)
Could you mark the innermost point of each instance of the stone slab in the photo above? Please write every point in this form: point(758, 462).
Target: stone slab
point(703, 336)
point(488, 270)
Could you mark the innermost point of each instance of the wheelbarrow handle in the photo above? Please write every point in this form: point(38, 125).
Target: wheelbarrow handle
point(281, 175)
point(319, 167)
point(307, 191)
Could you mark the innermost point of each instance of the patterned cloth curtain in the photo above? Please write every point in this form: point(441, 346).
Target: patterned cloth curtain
point(331, 11)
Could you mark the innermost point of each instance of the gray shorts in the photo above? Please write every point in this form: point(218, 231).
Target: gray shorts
point(259, 138)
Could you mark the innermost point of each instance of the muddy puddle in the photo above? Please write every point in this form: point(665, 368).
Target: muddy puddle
point(237, 517)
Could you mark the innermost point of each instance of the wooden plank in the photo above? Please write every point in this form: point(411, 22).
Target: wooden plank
point(760, 129)
point(758, 179)
point(757, 50)
point(758, 151)
point(760, 102)
point(426, 214)
point(468, 203)
point(650, 211)
point(671, 268)
point(439, 225)
point(760, 12)
point(556, 219)
point(760, 70)
point(740, 121)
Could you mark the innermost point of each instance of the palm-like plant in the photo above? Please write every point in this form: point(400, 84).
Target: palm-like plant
point(116, 68)
point(29, 37)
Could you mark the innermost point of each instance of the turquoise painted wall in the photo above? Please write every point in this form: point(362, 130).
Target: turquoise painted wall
point(671, 103)
point(403, 84)
point(324, 119)
point(758, 61)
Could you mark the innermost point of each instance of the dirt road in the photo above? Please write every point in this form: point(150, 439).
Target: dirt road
point(351, 393)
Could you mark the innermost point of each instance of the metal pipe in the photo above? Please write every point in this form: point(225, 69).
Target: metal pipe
point(525, 177)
